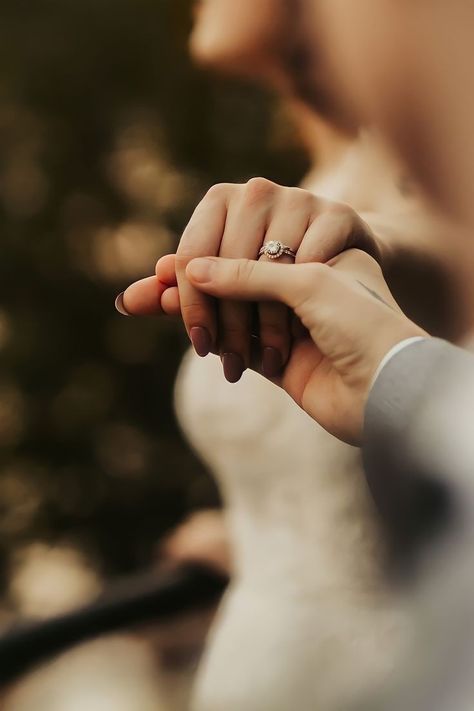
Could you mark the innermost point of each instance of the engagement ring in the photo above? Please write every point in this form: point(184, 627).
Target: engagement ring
point(275, 250)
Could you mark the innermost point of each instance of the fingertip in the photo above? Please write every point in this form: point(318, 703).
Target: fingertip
point(170, 301)
point(120, 306)
point(165, 269)
point(141, 298)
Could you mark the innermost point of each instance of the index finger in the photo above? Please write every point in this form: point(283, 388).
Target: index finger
point(201, 238)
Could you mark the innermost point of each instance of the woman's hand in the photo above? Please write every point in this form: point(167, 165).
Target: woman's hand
point(234, 221)
point(350, 316)
point(154, 295)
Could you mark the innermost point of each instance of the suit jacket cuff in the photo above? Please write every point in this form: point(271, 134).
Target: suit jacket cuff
point(412, 499)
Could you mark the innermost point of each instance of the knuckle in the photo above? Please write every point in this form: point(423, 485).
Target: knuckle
point(340, 208)
point(273, 318)
point(219, 191)
point(343, 213)
point(316, 275)
point(258, 189)
point(234, 331)
point(298, 198)
point(183, 257)
point(191, 236)
point(312, 284)
point(341, 221)
point(194, 313)
point(272, 330)
point(235, 322)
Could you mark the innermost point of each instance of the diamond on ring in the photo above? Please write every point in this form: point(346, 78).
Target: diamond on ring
point(275, 249)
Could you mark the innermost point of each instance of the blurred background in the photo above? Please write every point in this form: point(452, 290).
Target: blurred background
point(108, 138)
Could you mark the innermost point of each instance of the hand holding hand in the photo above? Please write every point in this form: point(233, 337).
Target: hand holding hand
point(350, 316)
point(234, 221)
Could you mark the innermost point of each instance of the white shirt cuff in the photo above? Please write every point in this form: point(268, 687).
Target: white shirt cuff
point(393, 352)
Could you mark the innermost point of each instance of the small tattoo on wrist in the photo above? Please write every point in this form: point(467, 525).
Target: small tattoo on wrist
point(375, 295)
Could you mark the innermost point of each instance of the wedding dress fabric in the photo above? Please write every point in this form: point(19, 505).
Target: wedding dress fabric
point(306, 622)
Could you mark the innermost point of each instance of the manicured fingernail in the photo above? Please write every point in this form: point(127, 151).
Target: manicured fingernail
point(201, 269)
point(119, 305)
point(272, 362)
point(233, 366)
point(201, 340)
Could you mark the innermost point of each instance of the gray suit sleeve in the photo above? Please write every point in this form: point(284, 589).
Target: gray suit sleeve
point(417, 448)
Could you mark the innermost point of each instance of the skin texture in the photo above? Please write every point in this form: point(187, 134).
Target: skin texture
point(234, 221)
point(341, 305)
point(348, 321)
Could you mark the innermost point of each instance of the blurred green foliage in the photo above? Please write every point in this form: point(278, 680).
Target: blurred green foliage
point(108, 137)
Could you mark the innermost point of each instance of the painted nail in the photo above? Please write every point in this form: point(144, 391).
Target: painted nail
point(119, 305)
point(201, 340)
point(272, 362)
point(233, 366)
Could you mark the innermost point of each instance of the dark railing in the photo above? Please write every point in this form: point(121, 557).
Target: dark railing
point(150, 598)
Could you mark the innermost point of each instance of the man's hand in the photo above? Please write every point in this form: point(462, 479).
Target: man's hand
point(351, 322)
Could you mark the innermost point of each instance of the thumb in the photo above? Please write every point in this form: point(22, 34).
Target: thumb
point(251, 281)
